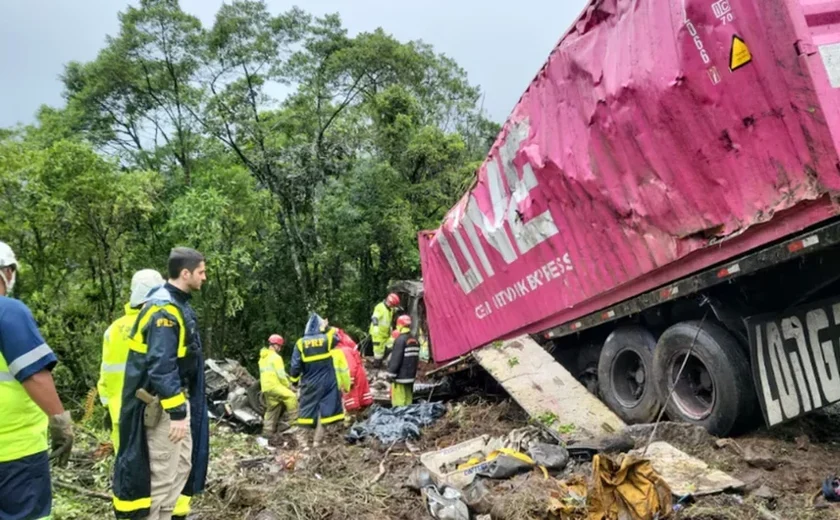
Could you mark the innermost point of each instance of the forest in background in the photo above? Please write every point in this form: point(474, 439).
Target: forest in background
point(300, 160)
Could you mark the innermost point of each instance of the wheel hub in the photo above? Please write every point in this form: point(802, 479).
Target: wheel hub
point(694, 392)
point(628, 378)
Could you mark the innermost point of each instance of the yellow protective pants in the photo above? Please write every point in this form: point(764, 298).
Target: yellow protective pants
point(402, 394)
point(277, 402)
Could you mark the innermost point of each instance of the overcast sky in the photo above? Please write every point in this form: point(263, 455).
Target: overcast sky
point(501, 44)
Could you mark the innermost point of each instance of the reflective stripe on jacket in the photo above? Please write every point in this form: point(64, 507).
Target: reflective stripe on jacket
point(23, 353)
point(165, 358)
point(313, 364)
point(402, 366)
point(115, 349)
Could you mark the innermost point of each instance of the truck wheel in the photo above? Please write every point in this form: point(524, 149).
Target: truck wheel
point(715, 389)
point(625, 374)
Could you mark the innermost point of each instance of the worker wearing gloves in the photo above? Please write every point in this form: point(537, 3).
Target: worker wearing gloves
point(402, 368)
point(380, 326)
point(115, 348)
point(314, 366)
point(164, 433)
point(275, 385)
point(29, 405)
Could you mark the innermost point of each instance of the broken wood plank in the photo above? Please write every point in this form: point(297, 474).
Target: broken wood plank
point(545, 389)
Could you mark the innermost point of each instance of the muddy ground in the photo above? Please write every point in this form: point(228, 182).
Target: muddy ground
point(342, 481)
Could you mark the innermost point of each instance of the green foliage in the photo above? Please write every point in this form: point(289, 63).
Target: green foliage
point(173, 135)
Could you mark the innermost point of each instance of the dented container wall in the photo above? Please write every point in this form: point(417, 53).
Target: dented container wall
point(660, 138)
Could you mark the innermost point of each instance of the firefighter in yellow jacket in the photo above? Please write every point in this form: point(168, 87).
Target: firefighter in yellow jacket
point(380, 326)
point(279, 397)
point(115, 346)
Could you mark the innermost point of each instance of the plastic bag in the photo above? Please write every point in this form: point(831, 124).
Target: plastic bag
point(505, 466)
point(391, 425)
point(549, 455)
point(447, 505)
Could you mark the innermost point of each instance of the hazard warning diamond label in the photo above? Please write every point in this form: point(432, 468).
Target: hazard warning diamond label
point(739, 54)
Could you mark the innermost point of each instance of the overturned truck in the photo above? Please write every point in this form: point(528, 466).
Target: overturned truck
point(662, 203)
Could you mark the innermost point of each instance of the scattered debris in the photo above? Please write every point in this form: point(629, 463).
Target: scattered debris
point(549, 456)
point(631, 489)
point(442, 464)
point(570, 498)
point(831, 489)
point(687, 475)
point(391, 425)
point(500, 464)
point(446, 503)
point(233, 395)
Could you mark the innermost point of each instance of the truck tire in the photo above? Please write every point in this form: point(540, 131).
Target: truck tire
point(715, 390)
point(625, 374)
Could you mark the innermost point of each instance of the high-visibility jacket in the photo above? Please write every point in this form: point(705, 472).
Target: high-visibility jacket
point(272, 371)
point(115, 349)
point(24, 429)
point(342, 370)
point(314, 365)
point(165, 359)
point(23, 352)
point(380, 328)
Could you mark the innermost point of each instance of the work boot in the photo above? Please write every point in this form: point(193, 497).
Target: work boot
point(319, 435)
point(290, 427)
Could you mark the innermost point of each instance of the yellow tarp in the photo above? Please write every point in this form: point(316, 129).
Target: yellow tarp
point(631, 490)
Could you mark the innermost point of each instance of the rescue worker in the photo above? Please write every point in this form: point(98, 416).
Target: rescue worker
point(359, 397)
point(275, 385)
point(314, 366)
point(29, 406)
point(115, 348)
point(380, 326)
point(340, 364)
point(402, 368)
point(164, 433)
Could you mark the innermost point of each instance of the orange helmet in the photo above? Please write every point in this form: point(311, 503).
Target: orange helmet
point(276, 339)
point(392, 300)
point(404, 321)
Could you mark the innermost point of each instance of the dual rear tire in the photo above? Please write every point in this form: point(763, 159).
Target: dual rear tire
point(636, 374)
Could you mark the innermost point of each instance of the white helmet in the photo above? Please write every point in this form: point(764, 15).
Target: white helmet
point(7, 259)
point(7, 256)
point(142, 283)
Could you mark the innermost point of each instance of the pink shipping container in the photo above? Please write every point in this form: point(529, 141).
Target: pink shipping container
point(661, 138)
